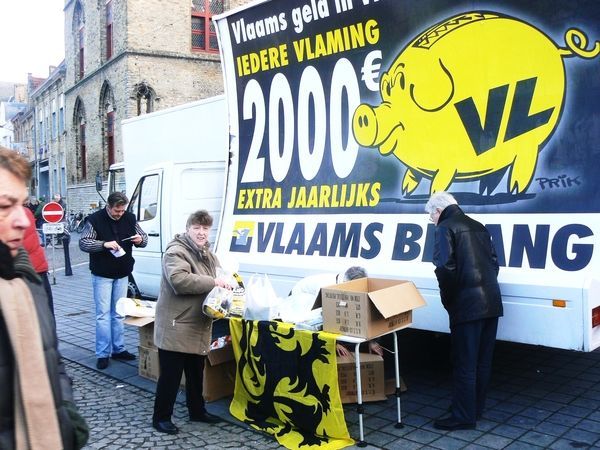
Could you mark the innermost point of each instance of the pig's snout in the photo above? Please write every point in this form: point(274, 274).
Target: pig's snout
point(373, 126)
point(365, 125)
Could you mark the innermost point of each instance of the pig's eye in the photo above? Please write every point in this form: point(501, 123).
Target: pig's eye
point(399, 80)
point(386, 89)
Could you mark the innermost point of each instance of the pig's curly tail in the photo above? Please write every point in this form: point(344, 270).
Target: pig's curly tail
point(577, 41)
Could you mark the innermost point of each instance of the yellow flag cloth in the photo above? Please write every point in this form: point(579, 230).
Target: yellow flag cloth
point(287, 384)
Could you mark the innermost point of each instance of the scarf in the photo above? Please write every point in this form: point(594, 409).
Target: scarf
point(36, 423)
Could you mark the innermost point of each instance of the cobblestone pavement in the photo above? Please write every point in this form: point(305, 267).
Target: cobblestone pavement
point(539, 397)
point(117, 414)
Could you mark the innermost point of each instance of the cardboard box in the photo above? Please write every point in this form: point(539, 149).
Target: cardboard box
point(148, 365)
point(371, 374)
point(146, 329)
point(368, 307)
point(219, 374)
point(219, 371)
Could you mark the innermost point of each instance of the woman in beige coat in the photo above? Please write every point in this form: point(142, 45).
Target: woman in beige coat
point(182, 332)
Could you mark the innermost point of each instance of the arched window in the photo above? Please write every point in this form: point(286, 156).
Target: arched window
point(107, 113)
point(79, 122)
point(109, 29)
point(145, 96)
point(78, 30)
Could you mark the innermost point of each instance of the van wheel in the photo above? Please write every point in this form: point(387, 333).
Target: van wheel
point(132, 289)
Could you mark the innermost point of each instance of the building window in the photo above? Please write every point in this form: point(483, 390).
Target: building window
point(82, 155)
point(41, 132)
point(53, 124)
point(110, 121)
point(109, 30)
point(81, 53)
point(61, 116)
point(80, 151)
point(204, 35)
point(145, 97)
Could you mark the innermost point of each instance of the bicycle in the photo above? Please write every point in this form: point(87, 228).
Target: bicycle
point(74, 221)
point(81, 225)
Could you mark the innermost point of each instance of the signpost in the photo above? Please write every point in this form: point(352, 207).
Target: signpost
point(53, 228)
point(53, 213)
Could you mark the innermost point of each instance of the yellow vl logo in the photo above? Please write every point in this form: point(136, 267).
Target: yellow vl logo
point(242, 235)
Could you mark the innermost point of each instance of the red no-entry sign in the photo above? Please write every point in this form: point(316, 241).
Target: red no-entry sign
point(52, 212)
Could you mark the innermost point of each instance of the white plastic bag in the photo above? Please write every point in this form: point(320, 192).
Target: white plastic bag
point(237, 287)
point(227, 276)
point(135, 308)
point(217, 303)
point(296, 307)
point(261, 301)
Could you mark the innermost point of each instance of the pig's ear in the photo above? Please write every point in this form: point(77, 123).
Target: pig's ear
point(435, 89)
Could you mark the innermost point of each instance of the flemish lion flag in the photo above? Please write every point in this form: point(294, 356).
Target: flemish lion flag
point(287, 384)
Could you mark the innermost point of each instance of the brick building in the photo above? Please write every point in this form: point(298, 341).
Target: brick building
point(124, 58)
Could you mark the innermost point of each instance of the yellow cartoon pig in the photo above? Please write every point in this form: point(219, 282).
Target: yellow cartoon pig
point(471, 96)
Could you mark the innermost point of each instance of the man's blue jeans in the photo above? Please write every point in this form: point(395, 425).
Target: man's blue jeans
point(109, 328)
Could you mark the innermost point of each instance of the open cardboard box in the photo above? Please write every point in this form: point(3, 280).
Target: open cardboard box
point(146, 329)
point(368, 307)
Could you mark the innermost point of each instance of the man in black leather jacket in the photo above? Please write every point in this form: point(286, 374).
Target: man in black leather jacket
point(36, 399)
point(467, 269)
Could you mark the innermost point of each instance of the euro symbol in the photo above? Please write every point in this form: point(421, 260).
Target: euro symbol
point(370, 70)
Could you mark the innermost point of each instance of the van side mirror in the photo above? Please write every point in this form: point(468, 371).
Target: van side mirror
point(98, 182)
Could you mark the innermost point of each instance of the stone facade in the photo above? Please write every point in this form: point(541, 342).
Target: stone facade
point(48, 104)
point(41, 135)
point(152, 67)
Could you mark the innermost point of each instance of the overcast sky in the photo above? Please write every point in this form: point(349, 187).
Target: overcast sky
point(32, 38)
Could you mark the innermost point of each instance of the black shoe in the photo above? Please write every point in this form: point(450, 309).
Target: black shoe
point(478, 417)
point(165, 427)
point(451, 424)
point(206, 418)
point(124, 356)
point(102, 363)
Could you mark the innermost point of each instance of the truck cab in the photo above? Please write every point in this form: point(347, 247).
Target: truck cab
point(162, 201)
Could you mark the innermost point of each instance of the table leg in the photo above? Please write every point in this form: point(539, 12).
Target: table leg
point(359, 407)
point(398, 386)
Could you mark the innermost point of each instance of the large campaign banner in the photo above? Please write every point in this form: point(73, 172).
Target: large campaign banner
point(345, 115)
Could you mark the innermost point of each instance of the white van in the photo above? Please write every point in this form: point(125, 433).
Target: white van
point(162, 201)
